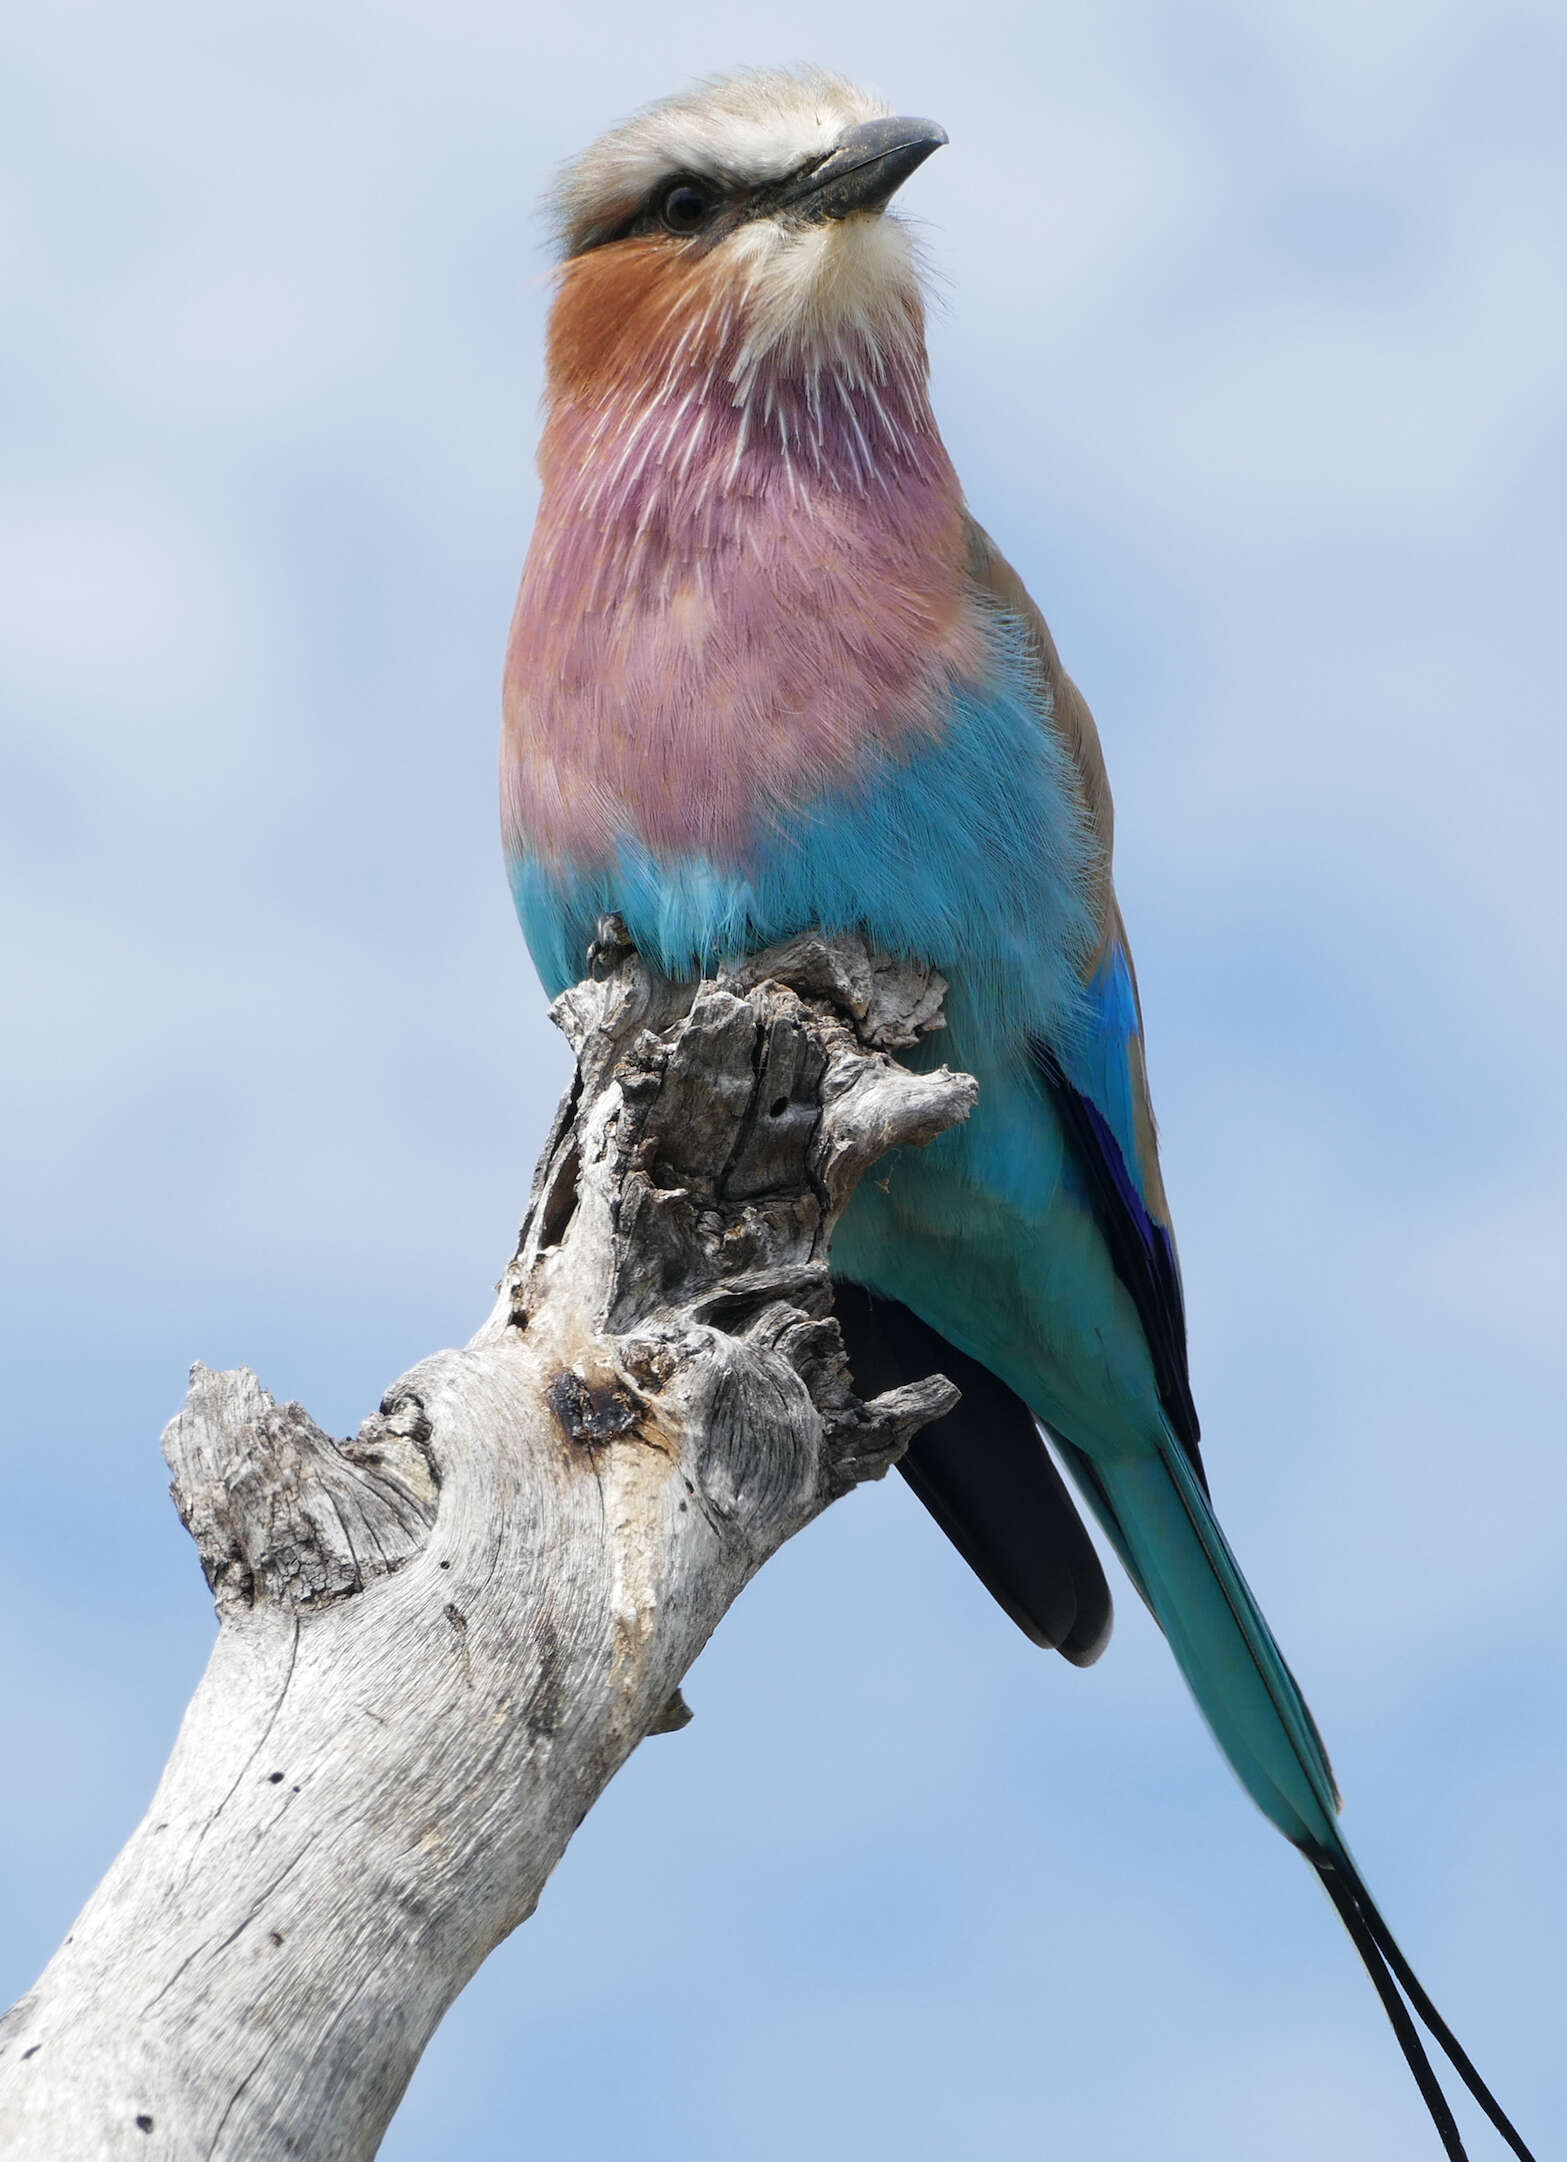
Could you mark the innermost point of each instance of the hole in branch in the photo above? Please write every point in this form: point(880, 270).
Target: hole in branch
point(560, 1203)
point(734, 1312)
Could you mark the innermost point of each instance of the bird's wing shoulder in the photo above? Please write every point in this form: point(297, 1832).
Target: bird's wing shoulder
point(1099, 1082)
point(1062, 705)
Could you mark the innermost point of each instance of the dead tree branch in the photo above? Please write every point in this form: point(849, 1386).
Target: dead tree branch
point(439, 1641)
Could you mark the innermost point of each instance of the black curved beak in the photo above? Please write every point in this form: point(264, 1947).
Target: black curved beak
point(864, 169)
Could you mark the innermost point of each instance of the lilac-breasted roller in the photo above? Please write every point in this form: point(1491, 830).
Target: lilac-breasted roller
point(767, 674)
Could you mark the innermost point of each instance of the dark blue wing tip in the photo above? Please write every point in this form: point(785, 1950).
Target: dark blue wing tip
point(1142, 1252)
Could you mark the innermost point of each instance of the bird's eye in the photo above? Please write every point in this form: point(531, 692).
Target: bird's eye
point(684, 208)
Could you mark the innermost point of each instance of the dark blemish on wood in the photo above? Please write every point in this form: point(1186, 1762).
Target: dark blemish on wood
point(144, 2123)
point(275, 1936)
point(547, 1703)
point(459, 1622)
point(776, 1110)
point(446, 1565)
point(591, 1416)
point(37, 2046)
point(274, 1779)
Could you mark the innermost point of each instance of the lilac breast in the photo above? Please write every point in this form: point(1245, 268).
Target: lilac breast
point(727, 602)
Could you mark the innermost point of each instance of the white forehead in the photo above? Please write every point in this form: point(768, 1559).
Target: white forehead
point(743, 130)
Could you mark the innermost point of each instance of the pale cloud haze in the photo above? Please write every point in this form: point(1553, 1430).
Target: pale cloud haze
point(1250, 347)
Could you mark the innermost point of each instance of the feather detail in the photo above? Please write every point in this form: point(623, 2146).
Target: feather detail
point(748, 573)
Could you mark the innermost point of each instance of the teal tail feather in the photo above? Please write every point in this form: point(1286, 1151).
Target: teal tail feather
point(1156, 1514)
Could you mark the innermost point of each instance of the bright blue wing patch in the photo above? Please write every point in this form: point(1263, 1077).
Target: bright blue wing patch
point(1098, 1062)
point(1092, 1093)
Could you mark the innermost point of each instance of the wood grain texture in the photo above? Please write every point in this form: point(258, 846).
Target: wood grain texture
point(440, 1640)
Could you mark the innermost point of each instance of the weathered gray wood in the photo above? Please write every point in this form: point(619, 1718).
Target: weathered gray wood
point(439, 1641)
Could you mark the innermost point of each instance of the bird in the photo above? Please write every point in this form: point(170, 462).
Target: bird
point(767, 674)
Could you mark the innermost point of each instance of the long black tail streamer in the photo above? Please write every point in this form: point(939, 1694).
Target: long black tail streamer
point(1390, 1971)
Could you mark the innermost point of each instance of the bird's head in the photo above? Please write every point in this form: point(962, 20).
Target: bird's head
point(738, 233)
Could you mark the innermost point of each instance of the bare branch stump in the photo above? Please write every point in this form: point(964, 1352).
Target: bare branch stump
point(439, 1641)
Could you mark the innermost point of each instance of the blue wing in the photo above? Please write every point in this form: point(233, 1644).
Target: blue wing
point(1103, 1110)
point(1153, 1502)
point(1141, 1470)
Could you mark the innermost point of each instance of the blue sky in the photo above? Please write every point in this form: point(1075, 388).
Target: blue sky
point(1250, 349)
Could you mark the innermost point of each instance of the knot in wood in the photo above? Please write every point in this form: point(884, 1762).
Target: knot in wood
point(589, 1415)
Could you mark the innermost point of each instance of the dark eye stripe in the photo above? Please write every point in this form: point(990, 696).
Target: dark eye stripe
point(725, 203)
